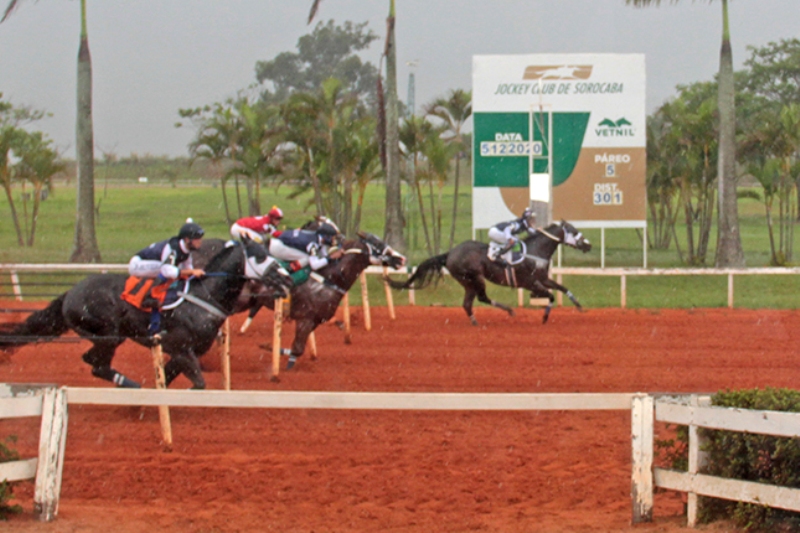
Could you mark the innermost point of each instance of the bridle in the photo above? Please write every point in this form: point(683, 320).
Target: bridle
point(253, 271)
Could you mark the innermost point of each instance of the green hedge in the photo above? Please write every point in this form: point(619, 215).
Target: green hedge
point(757, 458)
point(6, 488)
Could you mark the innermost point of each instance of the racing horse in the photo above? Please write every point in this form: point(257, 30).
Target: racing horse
point(316, 301)
point(94, 309)
point(470, 265)
point(249, 300)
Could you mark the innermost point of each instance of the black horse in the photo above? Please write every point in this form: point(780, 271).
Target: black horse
point(470, 265)
point(316, 301)
point(93, 309)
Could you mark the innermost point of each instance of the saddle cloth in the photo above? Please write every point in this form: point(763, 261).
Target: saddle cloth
point(512, 257)
point(144, 294)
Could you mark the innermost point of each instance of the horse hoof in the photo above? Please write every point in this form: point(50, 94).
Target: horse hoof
point(291, 362)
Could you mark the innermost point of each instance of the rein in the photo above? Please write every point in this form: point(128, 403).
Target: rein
point(549, 235)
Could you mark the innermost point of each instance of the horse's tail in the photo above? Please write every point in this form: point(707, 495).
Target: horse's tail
point(427, 271)
point(49, 322)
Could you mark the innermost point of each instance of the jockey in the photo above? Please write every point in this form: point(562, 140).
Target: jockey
point(167, 261)
point(258, 229)
point(503, 235)
point(306, 247)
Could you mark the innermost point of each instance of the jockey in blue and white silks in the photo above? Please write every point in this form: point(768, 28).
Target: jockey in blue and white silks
point(169, 259)
point(305, 247)
point(504, 234)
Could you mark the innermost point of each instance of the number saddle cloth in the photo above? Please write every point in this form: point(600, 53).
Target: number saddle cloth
point(145, 294)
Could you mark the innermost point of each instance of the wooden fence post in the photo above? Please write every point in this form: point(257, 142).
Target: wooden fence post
point(52, 441)
point(277, 318)
point(225, 354)
point(642, 419)
point(15, 284)
point(365, 301)
point(346, 312)
point(389, 298)
point(161, 383)
point(697, 460)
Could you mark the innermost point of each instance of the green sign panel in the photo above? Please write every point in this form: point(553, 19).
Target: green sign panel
point(502, 150)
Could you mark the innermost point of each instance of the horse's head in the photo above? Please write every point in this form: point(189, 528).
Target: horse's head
point(573, 237)
point(381, 253)
point(265, 269)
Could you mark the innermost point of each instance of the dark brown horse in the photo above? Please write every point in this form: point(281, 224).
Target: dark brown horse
point(470, 265)
point(316, 301)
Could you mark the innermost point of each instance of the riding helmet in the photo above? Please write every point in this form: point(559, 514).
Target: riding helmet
point(327, 233)
point(190, 230)
point(275, 213)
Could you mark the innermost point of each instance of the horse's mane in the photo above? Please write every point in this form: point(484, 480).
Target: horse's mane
point(215, 262)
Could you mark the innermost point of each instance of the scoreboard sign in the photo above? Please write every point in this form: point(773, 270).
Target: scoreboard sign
point(579, 118)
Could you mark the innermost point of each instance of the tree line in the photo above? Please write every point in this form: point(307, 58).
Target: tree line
point(683, 153)
point(315, 122)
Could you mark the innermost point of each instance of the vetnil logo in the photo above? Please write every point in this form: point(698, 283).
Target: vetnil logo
point(609, 128)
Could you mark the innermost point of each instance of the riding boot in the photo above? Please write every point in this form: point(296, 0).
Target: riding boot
point(155, 322)
point(501, 252)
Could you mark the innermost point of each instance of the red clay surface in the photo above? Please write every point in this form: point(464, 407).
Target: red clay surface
point(347, 471)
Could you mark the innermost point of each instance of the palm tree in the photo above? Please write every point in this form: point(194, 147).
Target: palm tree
point(729, 242)
point(394, 205)
point(454, 110)
point(85, 249)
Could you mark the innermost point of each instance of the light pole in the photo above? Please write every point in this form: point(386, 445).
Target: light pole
point(411, 238)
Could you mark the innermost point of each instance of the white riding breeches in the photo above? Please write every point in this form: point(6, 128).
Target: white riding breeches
point(500, 237)
point(287, 253)
point(237, 232)
point(151, 268)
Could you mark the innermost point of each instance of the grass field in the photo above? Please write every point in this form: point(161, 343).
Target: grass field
point(132, 216)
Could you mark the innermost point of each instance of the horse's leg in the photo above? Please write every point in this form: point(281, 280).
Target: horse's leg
point(185, 363)
point(553, 285)
point(99, 357)
point(303, 329)
point(469, 297)
point(480, 289)
point(250, 316)
point(539, 291)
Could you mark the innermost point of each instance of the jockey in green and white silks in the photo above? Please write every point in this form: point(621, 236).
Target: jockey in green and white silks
point(504, 234)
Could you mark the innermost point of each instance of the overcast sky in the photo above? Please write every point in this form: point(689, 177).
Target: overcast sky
point(152, 57)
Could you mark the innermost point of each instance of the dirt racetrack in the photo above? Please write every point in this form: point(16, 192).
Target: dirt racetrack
point(346, 471)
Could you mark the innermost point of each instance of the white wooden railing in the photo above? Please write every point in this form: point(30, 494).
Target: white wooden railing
point(696, 412)
point(50, 403)
point(624, 273)
point(13, 269)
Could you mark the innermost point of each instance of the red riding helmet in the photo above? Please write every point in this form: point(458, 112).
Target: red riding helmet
point(275, 213)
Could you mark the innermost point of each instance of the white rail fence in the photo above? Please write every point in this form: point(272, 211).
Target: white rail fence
point(693, 411)
point(13, 270)
point(696, 412)
point(50, 403)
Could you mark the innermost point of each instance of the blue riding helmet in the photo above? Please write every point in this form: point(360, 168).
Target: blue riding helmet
point(327, 234)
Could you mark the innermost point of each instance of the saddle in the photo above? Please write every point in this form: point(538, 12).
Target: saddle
point(298, 275)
